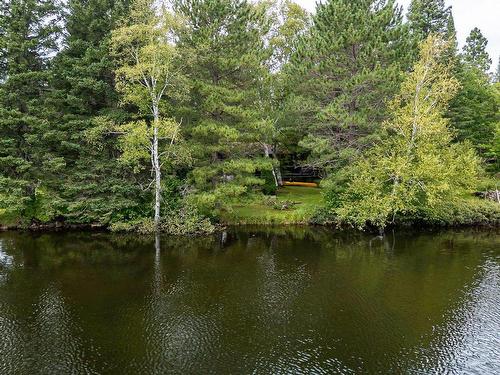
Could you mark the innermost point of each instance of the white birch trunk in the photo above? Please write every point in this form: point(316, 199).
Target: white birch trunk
point(155, 157)
point(278, 180)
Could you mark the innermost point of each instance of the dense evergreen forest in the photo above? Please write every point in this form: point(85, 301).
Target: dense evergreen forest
point(143, 115)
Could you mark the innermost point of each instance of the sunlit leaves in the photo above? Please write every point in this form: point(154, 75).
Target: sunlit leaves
point(415, 168)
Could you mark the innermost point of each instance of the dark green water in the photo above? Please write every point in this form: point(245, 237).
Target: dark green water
point(296, 300)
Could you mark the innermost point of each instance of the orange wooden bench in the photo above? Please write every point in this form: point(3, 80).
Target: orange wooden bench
point(305, 184)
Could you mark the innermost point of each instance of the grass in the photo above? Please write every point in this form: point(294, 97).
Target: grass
point(261, 210)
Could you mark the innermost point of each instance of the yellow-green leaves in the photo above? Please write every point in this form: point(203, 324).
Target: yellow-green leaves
point(148, 67)
point(415, 168)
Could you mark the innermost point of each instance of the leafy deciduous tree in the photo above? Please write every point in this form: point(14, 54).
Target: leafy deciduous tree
point(416, 168)
point(149, 72)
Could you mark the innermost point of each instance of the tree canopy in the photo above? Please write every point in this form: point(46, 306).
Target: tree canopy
point(169, 115)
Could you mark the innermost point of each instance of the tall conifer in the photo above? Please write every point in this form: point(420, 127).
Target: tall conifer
point(341, 76)
point(474, 51)
point(224, 47)
point(29, 31)
point(87, 183)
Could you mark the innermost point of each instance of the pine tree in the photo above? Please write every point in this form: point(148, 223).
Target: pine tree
point(451, 54)
point(473, 111)
point(28, 38)
point(343, 72)
point(289, 22)
point(428, 17)
point(474, 51)
point(496, 78)
point(224, 47)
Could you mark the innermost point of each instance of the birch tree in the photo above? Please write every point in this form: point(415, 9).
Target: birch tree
point(148, 72)
point(417, 167)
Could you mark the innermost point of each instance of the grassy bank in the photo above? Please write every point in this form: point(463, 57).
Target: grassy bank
point(292, 205)
point(298, 205)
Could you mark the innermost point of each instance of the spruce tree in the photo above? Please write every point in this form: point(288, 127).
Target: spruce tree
point(474, 51)
point(88, 185)
point(28, 39)
point(344, 70)
point(223, 46)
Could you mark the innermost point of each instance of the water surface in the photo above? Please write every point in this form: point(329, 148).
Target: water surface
point(276, 300)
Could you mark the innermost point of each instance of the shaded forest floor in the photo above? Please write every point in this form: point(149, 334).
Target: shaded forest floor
point(291, 205)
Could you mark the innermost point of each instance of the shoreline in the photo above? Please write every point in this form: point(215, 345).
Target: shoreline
point(59, 227)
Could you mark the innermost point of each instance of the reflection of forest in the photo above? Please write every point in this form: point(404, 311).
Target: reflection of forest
point(274, 296)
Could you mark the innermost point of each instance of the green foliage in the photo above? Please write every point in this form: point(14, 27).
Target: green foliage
point(427, 17)
point(80, 172)
point(289, 22)
point(223, 45)
point(148, 65)
point(269, 187)
point(473, 211)
point(147, 73)
point(345, 68)
point(185, 220)
point(496, 77)
point(293, 205)
point(101, 100)
point(415, 168)
point(29, 31)
point(495, 145)
point(473, 112)
point(474, 51)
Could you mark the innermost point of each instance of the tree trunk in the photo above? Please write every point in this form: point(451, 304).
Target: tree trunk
point(157, 171)
point(276, 172)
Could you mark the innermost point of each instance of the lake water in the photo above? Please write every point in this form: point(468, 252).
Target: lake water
point(269, 300)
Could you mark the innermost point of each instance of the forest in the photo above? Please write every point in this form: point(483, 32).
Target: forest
point(179, 116)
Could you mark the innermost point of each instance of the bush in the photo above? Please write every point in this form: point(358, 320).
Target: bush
point(281, 205)
point(184, 221)
point(323, 216)
point(187, 220)
point(458, 212)
point(472, 211)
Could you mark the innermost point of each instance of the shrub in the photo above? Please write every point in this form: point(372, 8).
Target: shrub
point(187, 220)
point(472, 211)
point(184, 221)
